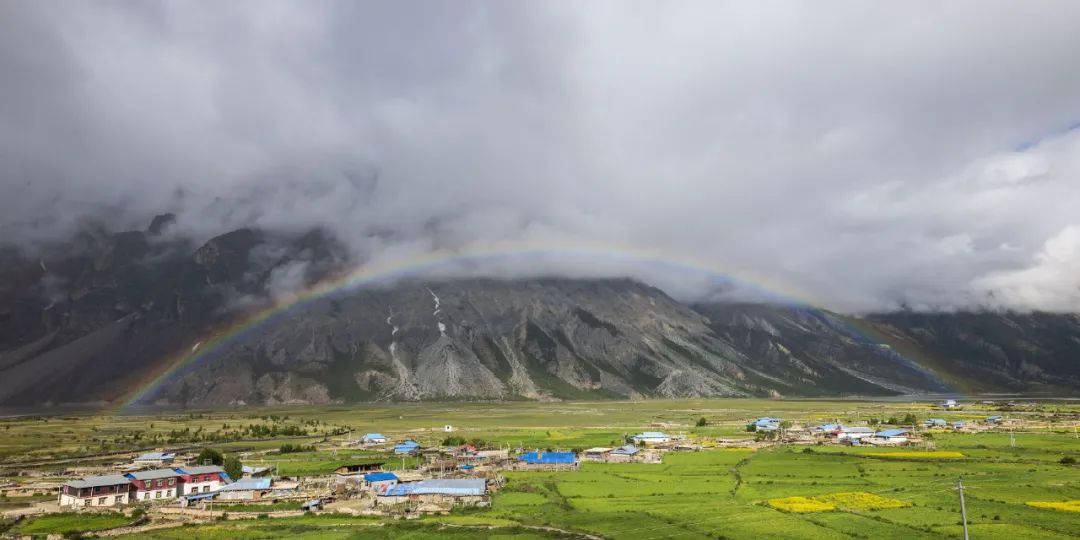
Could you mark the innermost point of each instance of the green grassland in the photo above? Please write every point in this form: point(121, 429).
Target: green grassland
point(714, 493)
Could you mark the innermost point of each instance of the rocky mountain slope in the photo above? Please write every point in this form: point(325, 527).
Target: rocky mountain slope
point(94, 318)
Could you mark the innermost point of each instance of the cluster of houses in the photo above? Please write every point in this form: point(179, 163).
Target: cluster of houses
point(155, 485)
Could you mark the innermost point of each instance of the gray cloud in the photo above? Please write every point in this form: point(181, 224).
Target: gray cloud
point(863, 156)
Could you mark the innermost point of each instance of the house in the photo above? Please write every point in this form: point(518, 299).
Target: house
point(248, 489)
point(934, 422)
point(379, 480)
point(373, 438)
point(651, 437)
point(202, 479)
point(110, 490)
point(312, 505)
point(596, 454)
point(159, 459)
point(766, 423)
point(547, 459)
point(624, 453)
point(959, 424)
point(407, 447)
point(890, 436)
point(949, 404)
point(994, 419)
point(155, 485)
point(853, 433)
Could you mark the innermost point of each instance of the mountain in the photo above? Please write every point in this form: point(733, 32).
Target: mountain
point(94, 318)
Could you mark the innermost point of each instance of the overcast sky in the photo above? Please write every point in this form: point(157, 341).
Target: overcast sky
point(865, 154)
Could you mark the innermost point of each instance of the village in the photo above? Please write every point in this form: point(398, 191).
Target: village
point(400, 477)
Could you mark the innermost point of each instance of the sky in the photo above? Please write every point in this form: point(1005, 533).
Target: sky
point(868, 156)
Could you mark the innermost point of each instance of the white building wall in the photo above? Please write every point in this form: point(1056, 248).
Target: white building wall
point(201, 487)
point(107, 499)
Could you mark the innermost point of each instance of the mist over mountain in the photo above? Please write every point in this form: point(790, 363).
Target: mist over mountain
point(94, 319)
point(859, 158)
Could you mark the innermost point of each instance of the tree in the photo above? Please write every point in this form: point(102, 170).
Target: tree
point(701, 422)
point(233, 468)
point(910, 419)
point(209, 455)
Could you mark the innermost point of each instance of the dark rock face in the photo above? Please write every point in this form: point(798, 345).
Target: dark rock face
point(89, 319)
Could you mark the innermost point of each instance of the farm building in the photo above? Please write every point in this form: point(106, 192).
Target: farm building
point(108, 490)
point(994, 419)
point(766, 423)
point(155, 459)
point(248, 489)
point(379, 480)
point(854, 432)
point(373, 438)
point(458, 491)
point(255, 472)
point(493, 454)
point(651, 437)
point(934, 422)
point(959, 424)
point(155, 485)
point(596, 454)
point(202, 478)
point(890, 436)
point(546, 460)
point(949, 404)
point(407, 447)
point(624, 453)
point(825, 429)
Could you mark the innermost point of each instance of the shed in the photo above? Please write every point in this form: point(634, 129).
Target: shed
point(596, 454)
point(934, 422)
point(246, 489)
point(373, 438)
point(993, 419)
point(890, 436)
point(854, 432)
point(377, 480)
point(407, 447)
point(312, 505)
point(651, 437)
point(155, 458)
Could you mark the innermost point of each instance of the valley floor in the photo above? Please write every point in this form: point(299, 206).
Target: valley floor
point(750, 490)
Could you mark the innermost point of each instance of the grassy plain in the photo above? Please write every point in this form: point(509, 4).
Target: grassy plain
point(861, 492)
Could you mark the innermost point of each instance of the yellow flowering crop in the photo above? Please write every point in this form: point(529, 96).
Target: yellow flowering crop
point(1064, 506)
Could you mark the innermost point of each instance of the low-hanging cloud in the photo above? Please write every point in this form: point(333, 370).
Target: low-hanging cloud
point(865, 156)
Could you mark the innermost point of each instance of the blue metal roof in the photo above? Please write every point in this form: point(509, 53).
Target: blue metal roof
point(935, 422)
point(627, 450)
point(374, 436)
point(652, 435)
point(451, 486)
point(200, 496)
point(247, 484)
point(549, 458)
point(380, 477)
point(406, 447)
point(891, 433)
point(156, 456)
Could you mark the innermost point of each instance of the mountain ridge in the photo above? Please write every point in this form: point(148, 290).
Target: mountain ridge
point(87, 320)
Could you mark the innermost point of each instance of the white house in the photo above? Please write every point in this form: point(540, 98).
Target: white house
point(202, 479)
point(949, 404)
point(853, 433)
point(651, 437)
point(155, 485)
point(111, 490)
point(373, 438)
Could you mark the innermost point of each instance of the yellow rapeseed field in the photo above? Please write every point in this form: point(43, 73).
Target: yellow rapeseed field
point(861, 500)
point(1064, 506)
point(800, 505)
point(850, 500)
point(939, 454)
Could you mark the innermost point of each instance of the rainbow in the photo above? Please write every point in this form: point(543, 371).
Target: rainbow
point(434, 263)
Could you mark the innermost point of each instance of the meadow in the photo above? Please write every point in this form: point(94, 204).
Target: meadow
point(1016, 485)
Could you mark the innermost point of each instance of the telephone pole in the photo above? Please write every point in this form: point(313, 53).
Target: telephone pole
point(963, 509)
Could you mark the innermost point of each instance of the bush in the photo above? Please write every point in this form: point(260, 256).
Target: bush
point(1067, 460)
point(453, 440)
point(701, 422)
point(233, 468)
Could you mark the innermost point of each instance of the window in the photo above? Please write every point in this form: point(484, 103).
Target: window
point(195, 489)
point(168, 493)
point(146, 496)
point(206, 489)
point(160, 483)
point(101, 500)
point(172, 481)
point(157, 494)
point(118, 499)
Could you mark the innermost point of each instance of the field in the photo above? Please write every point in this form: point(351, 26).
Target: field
point(1015, 484)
